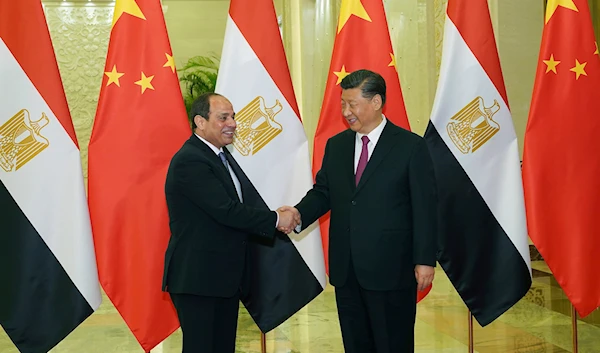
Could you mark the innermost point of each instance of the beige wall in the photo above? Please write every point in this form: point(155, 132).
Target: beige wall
point(518, 26)
point(195, 27)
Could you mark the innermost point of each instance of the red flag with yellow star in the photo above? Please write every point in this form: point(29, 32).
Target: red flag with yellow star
point(140, 124)
point(561, 162)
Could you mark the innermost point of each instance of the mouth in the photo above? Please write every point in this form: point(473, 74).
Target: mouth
point(352, 121)
point(229, 133)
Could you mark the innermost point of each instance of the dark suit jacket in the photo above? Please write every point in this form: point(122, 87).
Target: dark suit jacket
point(209, 226)
point(388, 223)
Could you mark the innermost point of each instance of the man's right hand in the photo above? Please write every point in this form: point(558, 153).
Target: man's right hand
point(289, 218)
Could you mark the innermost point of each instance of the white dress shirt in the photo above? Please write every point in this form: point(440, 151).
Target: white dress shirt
point(373, 138)
point(236, 181)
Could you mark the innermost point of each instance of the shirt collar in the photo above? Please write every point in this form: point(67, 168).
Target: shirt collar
point(375, 133)
point(212, 147)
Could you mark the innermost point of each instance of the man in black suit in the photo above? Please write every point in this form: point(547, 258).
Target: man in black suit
point(378, 181)
point(210, 222)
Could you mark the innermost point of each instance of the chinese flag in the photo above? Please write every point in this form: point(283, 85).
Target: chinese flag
point(561, 162)
point(362, 42)
point(140, 124)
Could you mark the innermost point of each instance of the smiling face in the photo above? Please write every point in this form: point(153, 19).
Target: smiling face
point(219, 127)
point(362, 114)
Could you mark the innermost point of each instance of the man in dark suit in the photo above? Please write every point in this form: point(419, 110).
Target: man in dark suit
point(210, 223)
point(378, 181)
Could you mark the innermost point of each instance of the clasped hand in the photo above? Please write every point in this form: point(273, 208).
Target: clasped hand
point(289, 218)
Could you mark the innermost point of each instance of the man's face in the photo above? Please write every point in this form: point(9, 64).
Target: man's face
point(220, 126)
point(362, 114)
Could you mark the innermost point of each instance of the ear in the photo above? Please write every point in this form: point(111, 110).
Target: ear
point(199, 121)
point(377, 103)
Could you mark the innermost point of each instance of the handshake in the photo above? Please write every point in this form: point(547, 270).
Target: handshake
point(289, 219)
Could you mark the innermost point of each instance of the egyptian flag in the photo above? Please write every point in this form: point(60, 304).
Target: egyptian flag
point(47, 264)
point(483, 235)
point(272, 149)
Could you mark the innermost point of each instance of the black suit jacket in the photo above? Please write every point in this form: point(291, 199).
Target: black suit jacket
point(207, 250)
point(388, 223)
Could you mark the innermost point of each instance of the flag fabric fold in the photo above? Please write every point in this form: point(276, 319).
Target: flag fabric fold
point(49, 276)
point(140, 124)
point(483, 246)
point(561, 162)
point(272, 149)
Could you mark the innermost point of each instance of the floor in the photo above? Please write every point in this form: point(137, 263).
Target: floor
point(539, 323)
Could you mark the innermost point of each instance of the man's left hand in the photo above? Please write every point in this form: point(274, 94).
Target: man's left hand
point(424, 275)
point(289, 218)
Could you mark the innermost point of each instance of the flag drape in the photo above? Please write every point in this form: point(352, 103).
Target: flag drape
point(47, 264)
point(561, 162)
point(140, 124)
point(483, 246)
point(271, 147)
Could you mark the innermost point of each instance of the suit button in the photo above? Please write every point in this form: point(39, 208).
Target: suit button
point(348, 229)
point(353, 203)
point(244, 242)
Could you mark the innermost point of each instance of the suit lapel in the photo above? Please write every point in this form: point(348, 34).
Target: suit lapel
point(220, 167)
point(347, 159)
point(382, 149)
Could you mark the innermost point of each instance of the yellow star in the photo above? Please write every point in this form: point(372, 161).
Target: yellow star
point(170, 62)
point(596, 52)
point(551, 64)
point(127, 6)
point(579, 69)
point(393, 62)
point(114, 76)
point(554, 4)
point(349, 8)
point(145, 82)
point(341, 74)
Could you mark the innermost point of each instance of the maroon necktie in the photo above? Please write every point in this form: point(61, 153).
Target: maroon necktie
point(364, 158)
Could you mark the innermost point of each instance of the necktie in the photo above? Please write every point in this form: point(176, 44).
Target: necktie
point(364, 158)
point(236, 182)
point(224, 160)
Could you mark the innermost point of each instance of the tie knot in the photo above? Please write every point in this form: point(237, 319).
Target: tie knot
point(365, 140)
point(223, 158)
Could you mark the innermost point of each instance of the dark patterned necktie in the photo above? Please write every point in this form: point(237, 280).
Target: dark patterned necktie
point(364, 158)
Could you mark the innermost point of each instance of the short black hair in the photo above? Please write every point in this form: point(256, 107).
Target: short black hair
point(201, 106)
point(369, 82)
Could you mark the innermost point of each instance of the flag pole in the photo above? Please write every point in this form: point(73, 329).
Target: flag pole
point(470, 332)
point(574, 328)
point(263, 343)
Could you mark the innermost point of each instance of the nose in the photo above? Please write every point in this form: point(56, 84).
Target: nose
point(231, 123)
point(346, 111)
